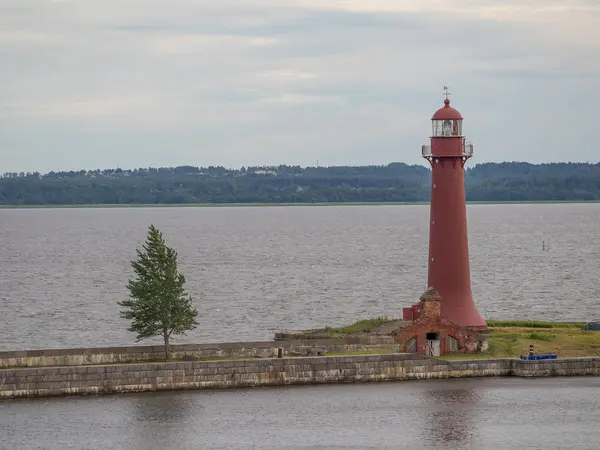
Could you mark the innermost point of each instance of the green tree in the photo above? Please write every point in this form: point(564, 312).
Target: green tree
point(158, 304)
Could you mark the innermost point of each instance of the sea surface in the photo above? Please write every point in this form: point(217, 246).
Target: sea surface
point(469, 414)
point(255, 270)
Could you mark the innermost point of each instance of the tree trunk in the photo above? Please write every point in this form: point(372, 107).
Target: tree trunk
point(167, 349)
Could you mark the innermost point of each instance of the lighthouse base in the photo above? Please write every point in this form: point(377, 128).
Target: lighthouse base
point(433, 334)
point(473, 319)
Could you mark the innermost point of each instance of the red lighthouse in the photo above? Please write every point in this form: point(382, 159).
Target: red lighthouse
point(449, 270)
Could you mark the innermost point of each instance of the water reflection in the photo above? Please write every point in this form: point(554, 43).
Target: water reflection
point(511, 414)
point(162, 418)
point(450, 420)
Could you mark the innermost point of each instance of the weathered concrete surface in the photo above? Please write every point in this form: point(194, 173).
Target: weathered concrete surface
point(107, 379)
point(111, 355)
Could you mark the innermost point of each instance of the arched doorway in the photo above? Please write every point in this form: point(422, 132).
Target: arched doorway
point(433, 344)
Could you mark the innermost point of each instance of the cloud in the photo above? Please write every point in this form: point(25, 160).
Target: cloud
point(78, 109)
point(511, 10)
point(300, 99)
point(189, 44)
point(238, 82)
point(16, 37)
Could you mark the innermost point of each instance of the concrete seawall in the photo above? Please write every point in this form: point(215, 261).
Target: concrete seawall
point(144, 353)
point(119, 378)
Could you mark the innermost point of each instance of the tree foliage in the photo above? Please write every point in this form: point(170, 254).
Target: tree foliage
point(158, 304)
point(395, 182)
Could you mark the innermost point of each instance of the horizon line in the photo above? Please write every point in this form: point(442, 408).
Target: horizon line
point(275, 166)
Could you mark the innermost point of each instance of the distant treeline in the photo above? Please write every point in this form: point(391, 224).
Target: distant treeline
point(396, 182)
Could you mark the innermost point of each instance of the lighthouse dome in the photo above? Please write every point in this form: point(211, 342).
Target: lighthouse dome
point(447, 113)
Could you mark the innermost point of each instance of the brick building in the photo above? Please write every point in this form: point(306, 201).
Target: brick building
point(434, 335)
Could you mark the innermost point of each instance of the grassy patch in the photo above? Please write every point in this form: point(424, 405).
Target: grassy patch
point(461, 356)
point(533, 324)
point(362, 326)
point(540, 336)
point(362, 352)
point(565, 342)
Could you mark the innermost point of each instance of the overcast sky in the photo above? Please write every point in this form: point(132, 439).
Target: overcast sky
point(138, 83)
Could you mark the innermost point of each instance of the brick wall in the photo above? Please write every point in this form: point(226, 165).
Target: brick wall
point(56, 381)
point(431, 307)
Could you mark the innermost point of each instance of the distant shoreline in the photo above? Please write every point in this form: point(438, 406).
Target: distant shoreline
point(221, 205)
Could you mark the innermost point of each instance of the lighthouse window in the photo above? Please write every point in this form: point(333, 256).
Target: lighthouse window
point(447, 128)
point(443, 128)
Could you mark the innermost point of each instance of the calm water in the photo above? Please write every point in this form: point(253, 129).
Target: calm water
point(254, 270)
point(475, 414)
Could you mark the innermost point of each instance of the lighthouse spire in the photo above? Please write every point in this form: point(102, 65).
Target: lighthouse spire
point(446, 93)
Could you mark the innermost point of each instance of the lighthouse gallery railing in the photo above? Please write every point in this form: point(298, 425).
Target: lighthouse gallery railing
point(467, 150)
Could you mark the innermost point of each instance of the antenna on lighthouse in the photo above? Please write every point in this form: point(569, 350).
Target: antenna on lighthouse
point(446, 93)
